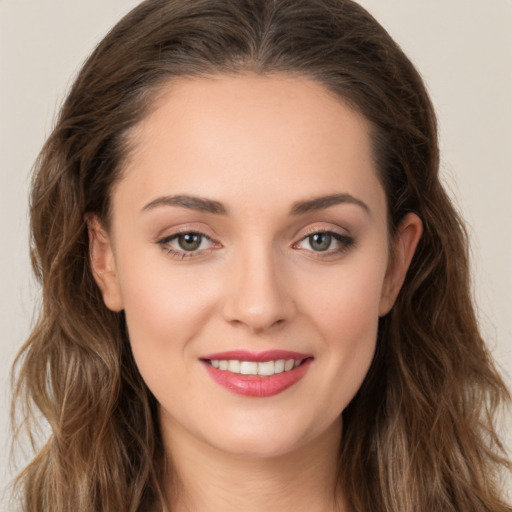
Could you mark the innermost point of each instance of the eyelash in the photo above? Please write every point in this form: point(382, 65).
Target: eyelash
point(184, 254)
point(345, 243)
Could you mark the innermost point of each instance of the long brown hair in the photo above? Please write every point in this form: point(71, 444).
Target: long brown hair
point(420, 433)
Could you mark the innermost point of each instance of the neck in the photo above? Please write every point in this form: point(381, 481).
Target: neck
point(207, 479)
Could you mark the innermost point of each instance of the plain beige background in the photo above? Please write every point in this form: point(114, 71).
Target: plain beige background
point(463, 48)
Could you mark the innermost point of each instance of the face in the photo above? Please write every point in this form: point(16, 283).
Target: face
point(250, 252)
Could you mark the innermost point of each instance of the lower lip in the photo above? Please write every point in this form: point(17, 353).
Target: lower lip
point(256, 385)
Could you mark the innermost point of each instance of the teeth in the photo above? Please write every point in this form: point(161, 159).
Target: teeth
point(279, 366)
point(248, 368)
point(234, 366)
point(265, 368)
point(289, 365)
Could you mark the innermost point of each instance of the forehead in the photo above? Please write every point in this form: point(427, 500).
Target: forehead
point(275, 133)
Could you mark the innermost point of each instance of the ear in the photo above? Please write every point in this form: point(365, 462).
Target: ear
point(103, 264)
point(405, 242)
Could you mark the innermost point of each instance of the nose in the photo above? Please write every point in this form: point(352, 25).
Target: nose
point(258, 294)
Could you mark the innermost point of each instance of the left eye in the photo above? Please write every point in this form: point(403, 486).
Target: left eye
point(324, 241)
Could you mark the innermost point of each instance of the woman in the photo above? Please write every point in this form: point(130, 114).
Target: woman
point(255, 289)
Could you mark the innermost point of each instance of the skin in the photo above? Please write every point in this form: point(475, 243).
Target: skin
point(257, 146)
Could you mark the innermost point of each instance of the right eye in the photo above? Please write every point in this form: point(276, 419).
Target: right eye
point(189, 241)
point(186, 244)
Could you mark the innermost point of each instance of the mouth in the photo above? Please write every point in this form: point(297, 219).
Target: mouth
point(265, 368)
point(257, 374)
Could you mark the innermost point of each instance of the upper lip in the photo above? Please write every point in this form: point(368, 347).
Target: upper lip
point(259, 357)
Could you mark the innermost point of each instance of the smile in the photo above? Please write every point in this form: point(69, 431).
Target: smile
point(253, 374)
point(266, 368)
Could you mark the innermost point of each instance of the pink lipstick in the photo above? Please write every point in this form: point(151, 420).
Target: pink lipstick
point(257, 374)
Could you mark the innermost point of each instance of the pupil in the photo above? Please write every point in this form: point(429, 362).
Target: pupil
point(320, 241)
point(189, 241)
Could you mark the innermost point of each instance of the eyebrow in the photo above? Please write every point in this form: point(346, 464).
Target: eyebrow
point(211, 206)
point(191, 202)
point(320, 203)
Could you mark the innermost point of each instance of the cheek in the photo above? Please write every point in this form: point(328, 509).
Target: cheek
point(351, 323)
point(345, 310)
point(346, 298)
point(165, 311)
point(165, 307)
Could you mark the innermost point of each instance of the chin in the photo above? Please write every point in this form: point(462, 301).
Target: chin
point(271, 439)
point(259, 446)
